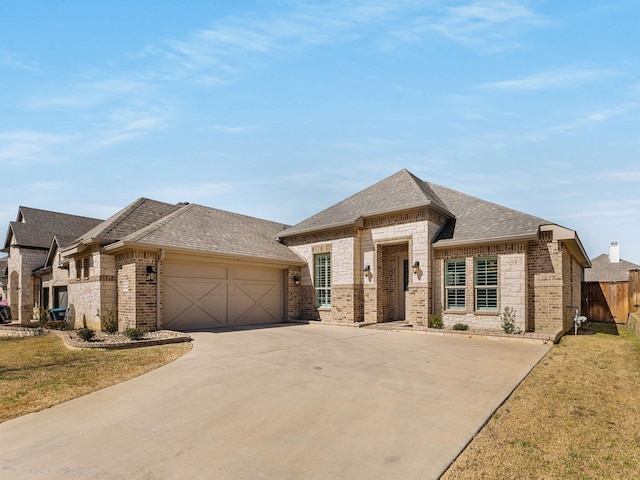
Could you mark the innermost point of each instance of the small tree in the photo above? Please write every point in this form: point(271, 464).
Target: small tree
point(509, 320)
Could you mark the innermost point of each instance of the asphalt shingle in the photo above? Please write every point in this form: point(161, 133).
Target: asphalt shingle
point(204, 229)
point(36, 228)
point(133, 217)
point(469, 218)
point(602, 270)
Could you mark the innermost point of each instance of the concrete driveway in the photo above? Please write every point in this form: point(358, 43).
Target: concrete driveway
point(288, 402)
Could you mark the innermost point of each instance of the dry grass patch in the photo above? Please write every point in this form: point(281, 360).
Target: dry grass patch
point(39, 372)
point(577, 415)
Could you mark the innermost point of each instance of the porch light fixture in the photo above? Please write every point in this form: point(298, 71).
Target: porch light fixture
point(416, 266)
point(367, 268)
point(296, 280)
point(151, 273)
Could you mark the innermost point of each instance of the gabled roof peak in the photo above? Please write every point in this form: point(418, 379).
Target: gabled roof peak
point(400, 192)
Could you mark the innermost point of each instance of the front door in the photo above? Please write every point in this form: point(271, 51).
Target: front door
point(402, 284)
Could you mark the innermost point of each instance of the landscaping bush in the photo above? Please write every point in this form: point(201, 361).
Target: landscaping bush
point(461, 326)
point(109, 320)
point(509, 320)
point(137, 333)
point(435, 320)
point(86, 334)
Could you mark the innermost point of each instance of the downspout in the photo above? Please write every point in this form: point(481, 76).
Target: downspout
point(158, 263)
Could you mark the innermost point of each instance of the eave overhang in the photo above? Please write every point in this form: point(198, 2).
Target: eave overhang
point(120, 246)
point(440, 244)
point(359, 221)
point(571, 240)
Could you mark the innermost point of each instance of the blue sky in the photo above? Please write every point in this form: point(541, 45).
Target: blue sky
point(279, 109)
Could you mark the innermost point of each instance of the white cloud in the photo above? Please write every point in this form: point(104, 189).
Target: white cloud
point(231, 42)
point(621, 176)
point(483, 25)
point(554, 79)
point(13, 60)
point(89, 94)
point(27, 147)
point(124, 125)
point(235, 129)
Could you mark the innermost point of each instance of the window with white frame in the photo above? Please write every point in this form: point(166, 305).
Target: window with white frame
point(322, 274)
point(455, 282)
point(486, 283)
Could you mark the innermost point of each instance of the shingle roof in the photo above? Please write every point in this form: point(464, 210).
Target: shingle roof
point(470, 219)
point(35, 228)
point(3, 266)
point(479, 220)
point(602, 270)
point(198, 228)
point(133, 217)
point(398, 192)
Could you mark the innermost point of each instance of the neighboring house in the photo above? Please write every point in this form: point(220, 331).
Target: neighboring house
point(404, 248)
point(180, 267)
point(3, 281)
point(607, 296)
point(29, 243)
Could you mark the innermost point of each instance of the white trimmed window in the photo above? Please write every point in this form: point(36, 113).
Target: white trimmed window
point(486, 283)
point(322, 274)
point(454, 283)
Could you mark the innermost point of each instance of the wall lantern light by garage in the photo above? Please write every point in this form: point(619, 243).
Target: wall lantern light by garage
point(416, 266)
point(151, 273)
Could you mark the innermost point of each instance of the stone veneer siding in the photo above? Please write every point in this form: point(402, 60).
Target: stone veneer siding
point(512, 286)
point(22, 285)
point(91, 296)
point(137, 296)
point(356, 295)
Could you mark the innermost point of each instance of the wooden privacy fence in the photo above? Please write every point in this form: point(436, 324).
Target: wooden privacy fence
point(611, 301)
point(634, 291)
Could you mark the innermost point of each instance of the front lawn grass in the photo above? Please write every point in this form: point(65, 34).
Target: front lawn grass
point(577, 415)
point(39, 372)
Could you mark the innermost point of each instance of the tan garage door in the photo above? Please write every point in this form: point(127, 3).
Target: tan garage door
point(206, 295)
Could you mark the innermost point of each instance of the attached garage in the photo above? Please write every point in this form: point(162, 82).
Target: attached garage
point(201, 295)
point(189, 267)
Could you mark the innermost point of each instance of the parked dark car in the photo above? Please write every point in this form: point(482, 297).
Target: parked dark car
point(5, 314)
point(57, 314)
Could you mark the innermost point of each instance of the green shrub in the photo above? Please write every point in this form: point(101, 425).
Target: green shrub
point(86, 334)
point(461, 326)
point(435, 320)
point(509, 320)
point(137, 333)
point(109, 320)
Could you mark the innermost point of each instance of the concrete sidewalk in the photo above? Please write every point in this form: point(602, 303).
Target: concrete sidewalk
point(288, 402)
